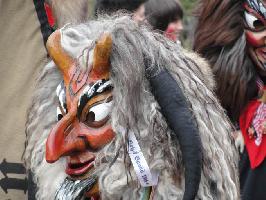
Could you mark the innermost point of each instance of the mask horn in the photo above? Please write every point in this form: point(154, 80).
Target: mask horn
point(62, 60)
point(101, 57)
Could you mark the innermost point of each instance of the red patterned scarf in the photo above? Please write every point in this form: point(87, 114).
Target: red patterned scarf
point(253, 127)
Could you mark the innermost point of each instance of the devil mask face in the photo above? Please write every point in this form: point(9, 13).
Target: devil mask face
point(255, 23)
point(84, 104)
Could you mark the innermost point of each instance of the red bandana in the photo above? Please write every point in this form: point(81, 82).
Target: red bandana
point(252, 124)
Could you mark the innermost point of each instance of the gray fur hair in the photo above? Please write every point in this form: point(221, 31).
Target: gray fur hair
point(135, 109)
point(69, 11)
point(40, 119)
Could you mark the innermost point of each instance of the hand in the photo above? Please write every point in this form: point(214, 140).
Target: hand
point(239, 140)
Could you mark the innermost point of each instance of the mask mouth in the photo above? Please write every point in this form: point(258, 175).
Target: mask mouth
point(79, 168)
point(74, 189)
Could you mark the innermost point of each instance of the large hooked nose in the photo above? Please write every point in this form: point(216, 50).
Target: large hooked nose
point(57, 144)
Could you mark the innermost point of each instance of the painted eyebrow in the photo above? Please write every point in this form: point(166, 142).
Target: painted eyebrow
point(91, 91)
point(257, 6)
point(61, 95)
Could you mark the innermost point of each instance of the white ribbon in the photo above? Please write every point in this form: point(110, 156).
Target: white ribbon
point(140, 165)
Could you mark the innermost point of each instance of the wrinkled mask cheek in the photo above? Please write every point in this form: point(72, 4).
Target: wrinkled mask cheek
point(254, 40)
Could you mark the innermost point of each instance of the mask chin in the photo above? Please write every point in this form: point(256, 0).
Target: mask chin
point(260, 66)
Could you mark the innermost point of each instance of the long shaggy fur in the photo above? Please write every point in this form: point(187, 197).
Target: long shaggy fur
point(41, 117)
point(226, 52)
point(69, 11)
point(134, 108)
point(112, 6)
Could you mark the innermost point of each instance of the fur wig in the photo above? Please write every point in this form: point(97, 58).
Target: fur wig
point(135, 108)
point(220, 38)
point(112, 6)
point(69, 11)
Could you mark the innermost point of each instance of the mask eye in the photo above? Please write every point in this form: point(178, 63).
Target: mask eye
point(98, 115)
point(59, 114)
point(61, 108)
point(253, 22)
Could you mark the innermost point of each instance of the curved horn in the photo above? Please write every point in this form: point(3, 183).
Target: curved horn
point(101, 55)
point(62, 60)
point(175, 109)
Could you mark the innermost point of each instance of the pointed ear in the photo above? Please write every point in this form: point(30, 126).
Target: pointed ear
point(62, 60)
point(101, 57)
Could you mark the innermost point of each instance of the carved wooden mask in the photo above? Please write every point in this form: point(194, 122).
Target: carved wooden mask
point(84, 104)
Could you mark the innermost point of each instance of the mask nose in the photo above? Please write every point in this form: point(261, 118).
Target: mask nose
point(64, 139)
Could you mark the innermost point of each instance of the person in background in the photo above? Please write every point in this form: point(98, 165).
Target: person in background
point(165, 16)
point(231, 36)
point(111, 6)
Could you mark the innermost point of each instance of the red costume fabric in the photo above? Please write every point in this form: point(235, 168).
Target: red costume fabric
point(251, 125)
point(49, 14)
